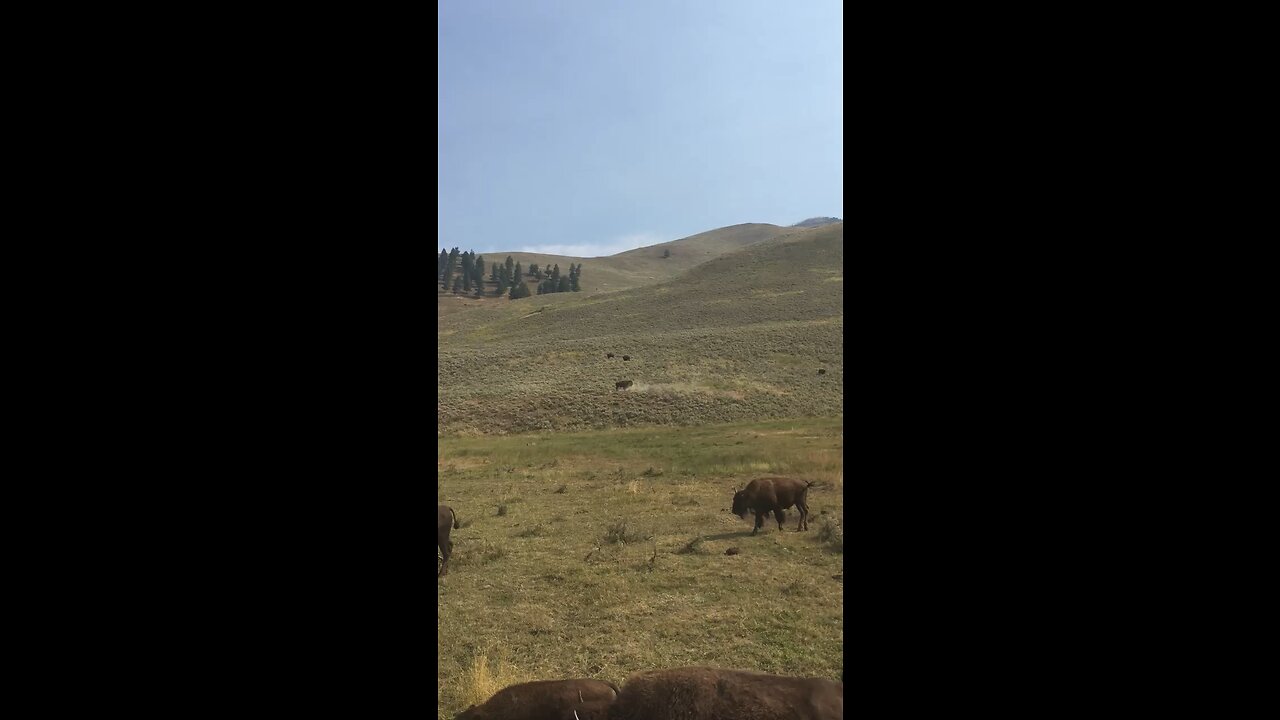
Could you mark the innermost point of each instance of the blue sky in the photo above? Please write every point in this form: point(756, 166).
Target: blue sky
point(589, 127)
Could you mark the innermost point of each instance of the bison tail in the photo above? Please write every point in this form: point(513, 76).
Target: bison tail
point(456, 526)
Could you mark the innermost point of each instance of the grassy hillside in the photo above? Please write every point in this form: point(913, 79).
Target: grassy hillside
point(633, 268)
point(739, 337)
point(598, 554)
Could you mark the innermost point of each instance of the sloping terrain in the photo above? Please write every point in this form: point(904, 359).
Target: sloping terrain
point(633, 268)
point(739, 337)
point(816, 222)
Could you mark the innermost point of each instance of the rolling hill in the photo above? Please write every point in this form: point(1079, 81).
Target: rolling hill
point(736, 329)
point(633, 268)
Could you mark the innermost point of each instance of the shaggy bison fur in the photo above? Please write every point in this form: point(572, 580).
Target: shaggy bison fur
point(773, 495)
point(703, 693)
point(547, 700)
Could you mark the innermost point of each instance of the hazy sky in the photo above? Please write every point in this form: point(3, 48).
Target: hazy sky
point(588, 127)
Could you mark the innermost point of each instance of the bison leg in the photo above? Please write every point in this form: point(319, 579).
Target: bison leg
point(804, 516)
point(780, 516)
point(445, 551)
point(759, 523)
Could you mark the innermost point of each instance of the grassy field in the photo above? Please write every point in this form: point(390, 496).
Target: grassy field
point(737, 338)
point(597, 554)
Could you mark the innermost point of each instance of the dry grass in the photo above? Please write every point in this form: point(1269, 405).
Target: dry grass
point(702, 351)
point(482, 679)
point(600, 582)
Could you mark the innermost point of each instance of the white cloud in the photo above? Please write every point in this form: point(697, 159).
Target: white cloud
point(603, 248)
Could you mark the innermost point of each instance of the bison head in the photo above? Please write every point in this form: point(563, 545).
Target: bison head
point(740, 504)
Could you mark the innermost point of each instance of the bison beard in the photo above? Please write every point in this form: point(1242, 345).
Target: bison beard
point(716, 694)
point(773, 495)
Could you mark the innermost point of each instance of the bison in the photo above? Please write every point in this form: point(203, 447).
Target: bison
point(703, 693)
point(446, 520)
point(622, 385)
point(626, 357)
point(608, 355)
point(822, 371)
point(773, 495)
point(547, 700)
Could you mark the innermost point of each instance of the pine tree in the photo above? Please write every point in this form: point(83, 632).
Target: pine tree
point(573, 281)
point(563, 286)
point(479, 290)
point(456, 289)
point(518, 275)
point(440, 263)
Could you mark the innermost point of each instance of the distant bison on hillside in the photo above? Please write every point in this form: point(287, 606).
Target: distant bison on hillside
point(626, 357)
point(622, 385)
point(608, 355)
point(703, 693)
point(545, 700)
point(773, 495)
point(822, 371)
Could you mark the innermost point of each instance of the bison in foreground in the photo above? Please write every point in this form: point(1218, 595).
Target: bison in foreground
point(547, 700)
point(773, 495)
point(703, 693)
point(622, 385)
point(446, 520)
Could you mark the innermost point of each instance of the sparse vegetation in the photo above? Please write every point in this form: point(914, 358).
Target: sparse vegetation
point(641, 565)
point(619, 533)
point(607, 591)
point(693, 547)
point(832, 534)
point(707, 353)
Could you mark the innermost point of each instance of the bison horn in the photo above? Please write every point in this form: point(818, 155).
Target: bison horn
point(575, 715)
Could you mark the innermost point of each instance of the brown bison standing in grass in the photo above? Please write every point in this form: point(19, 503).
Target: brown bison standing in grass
point(702, 693)
point(773, 495)
point(547, 700)
point(446, 519)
